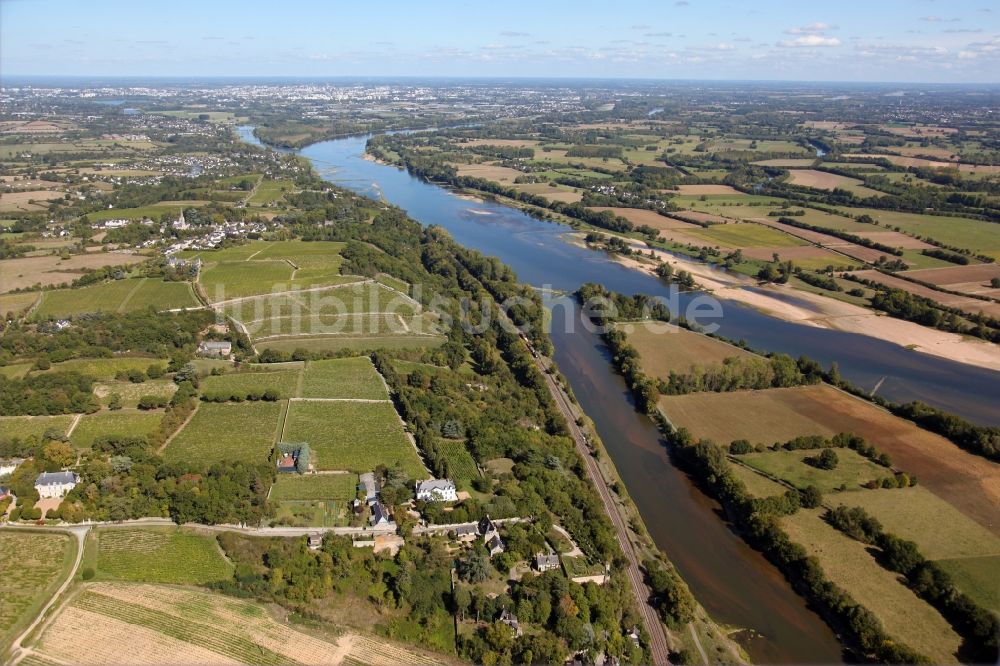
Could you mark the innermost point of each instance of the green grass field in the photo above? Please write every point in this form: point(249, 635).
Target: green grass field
point(847, 563)
point(977, 577)
point(153, 212)
point(117, 296)
point(271, 191)
point(343, 378)
point(235, 279)
point(131, 393)
point(122, 423)
point(852, 469)
point(241, 383)
point(941, 530)
point(22, 427)
point(342, 487)
point(220, 432)
point(353, 436)
point(745, 235)
point(17, 303)
point(757, 485)
point(159, 555)
point(975, 235)
point(107, 368)
point(34, 564)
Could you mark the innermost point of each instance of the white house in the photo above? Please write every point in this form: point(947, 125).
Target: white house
point(9, 465)
point(213, 348)
point(437, 490)
point(55, 484)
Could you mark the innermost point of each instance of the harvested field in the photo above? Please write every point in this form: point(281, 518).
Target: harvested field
point(976, 235)
point(821, 180)
point(498, 174)
point(825, 240)
point(512, 143)
point(848, 564)
point(164, 624)
point(904, 161)
point(756, 484)
point(895, 239)
point(550, 191)
point(664, 348)
point(641, 216)
point(787, 162)
point(973, 279)
point(970, 305)
point(968, 482)
point(130, 393)
point(698, 190)
point(699, 216)
point(17, 303)
point(49, 269)
point(22, 201)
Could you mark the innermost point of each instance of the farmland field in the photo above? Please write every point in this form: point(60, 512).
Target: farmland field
point(17, 303)
point(342, 487)
point(51, 270)
point(107, 368)
point(977, 577)
point(664, 348)
point(219, 432)
point(852, 469)
point(117, 296)
point(130, 393)
point(745, 234)
point(241, 383)
point(21, 427)
point(353, 436)
point(822, 180)
point(359, 343)
point(777, 415)
point(158, 555)
point(756, 484)
point(41, 561)
point(461, 465)
point(122, 423)
point(847, 563)
point(976, 235)
point(343, 378)
point(162, 623)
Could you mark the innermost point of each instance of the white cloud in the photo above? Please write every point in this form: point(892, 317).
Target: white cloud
point(811, 29)
point(810, 41)
point(938, 19)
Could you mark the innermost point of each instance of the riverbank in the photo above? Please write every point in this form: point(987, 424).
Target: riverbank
point(822, 312)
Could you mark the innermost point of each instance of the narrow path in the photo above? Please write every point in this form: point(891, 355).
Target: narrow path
point(697, 644)
point(73, 425)
point(131, 293)
point(371, 400)
point(80, 532)
point(194, 411)
point(658, 647)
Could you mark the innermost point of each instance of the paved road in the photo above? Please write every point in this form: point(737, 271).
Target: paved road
point(658, 638)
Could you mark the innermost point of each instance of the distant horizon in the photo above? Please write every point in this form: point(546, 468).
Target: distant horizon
point(306, 78)
point(702, 40)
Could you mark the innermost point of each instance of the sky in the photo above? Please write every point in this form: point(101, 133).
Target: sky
point(947, 41)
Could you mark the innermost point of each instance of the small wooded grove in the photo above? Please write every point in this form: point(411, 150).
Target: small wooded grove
point(413, 595)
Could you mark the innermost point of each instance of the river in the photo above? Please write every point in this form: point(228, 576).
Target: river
point(735, 584)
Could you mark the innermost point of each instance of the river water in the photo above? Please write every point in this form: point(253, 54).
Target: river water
point(735, 584)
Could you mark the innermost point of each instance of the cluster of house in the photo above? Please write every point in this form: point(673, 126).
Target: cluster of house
point(486, 529)
point(216, 234)
point(379, 515)
point(215, 348)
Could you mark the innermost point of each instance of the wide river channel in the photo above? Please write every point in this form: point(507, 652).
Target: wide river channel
point(735, 584)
